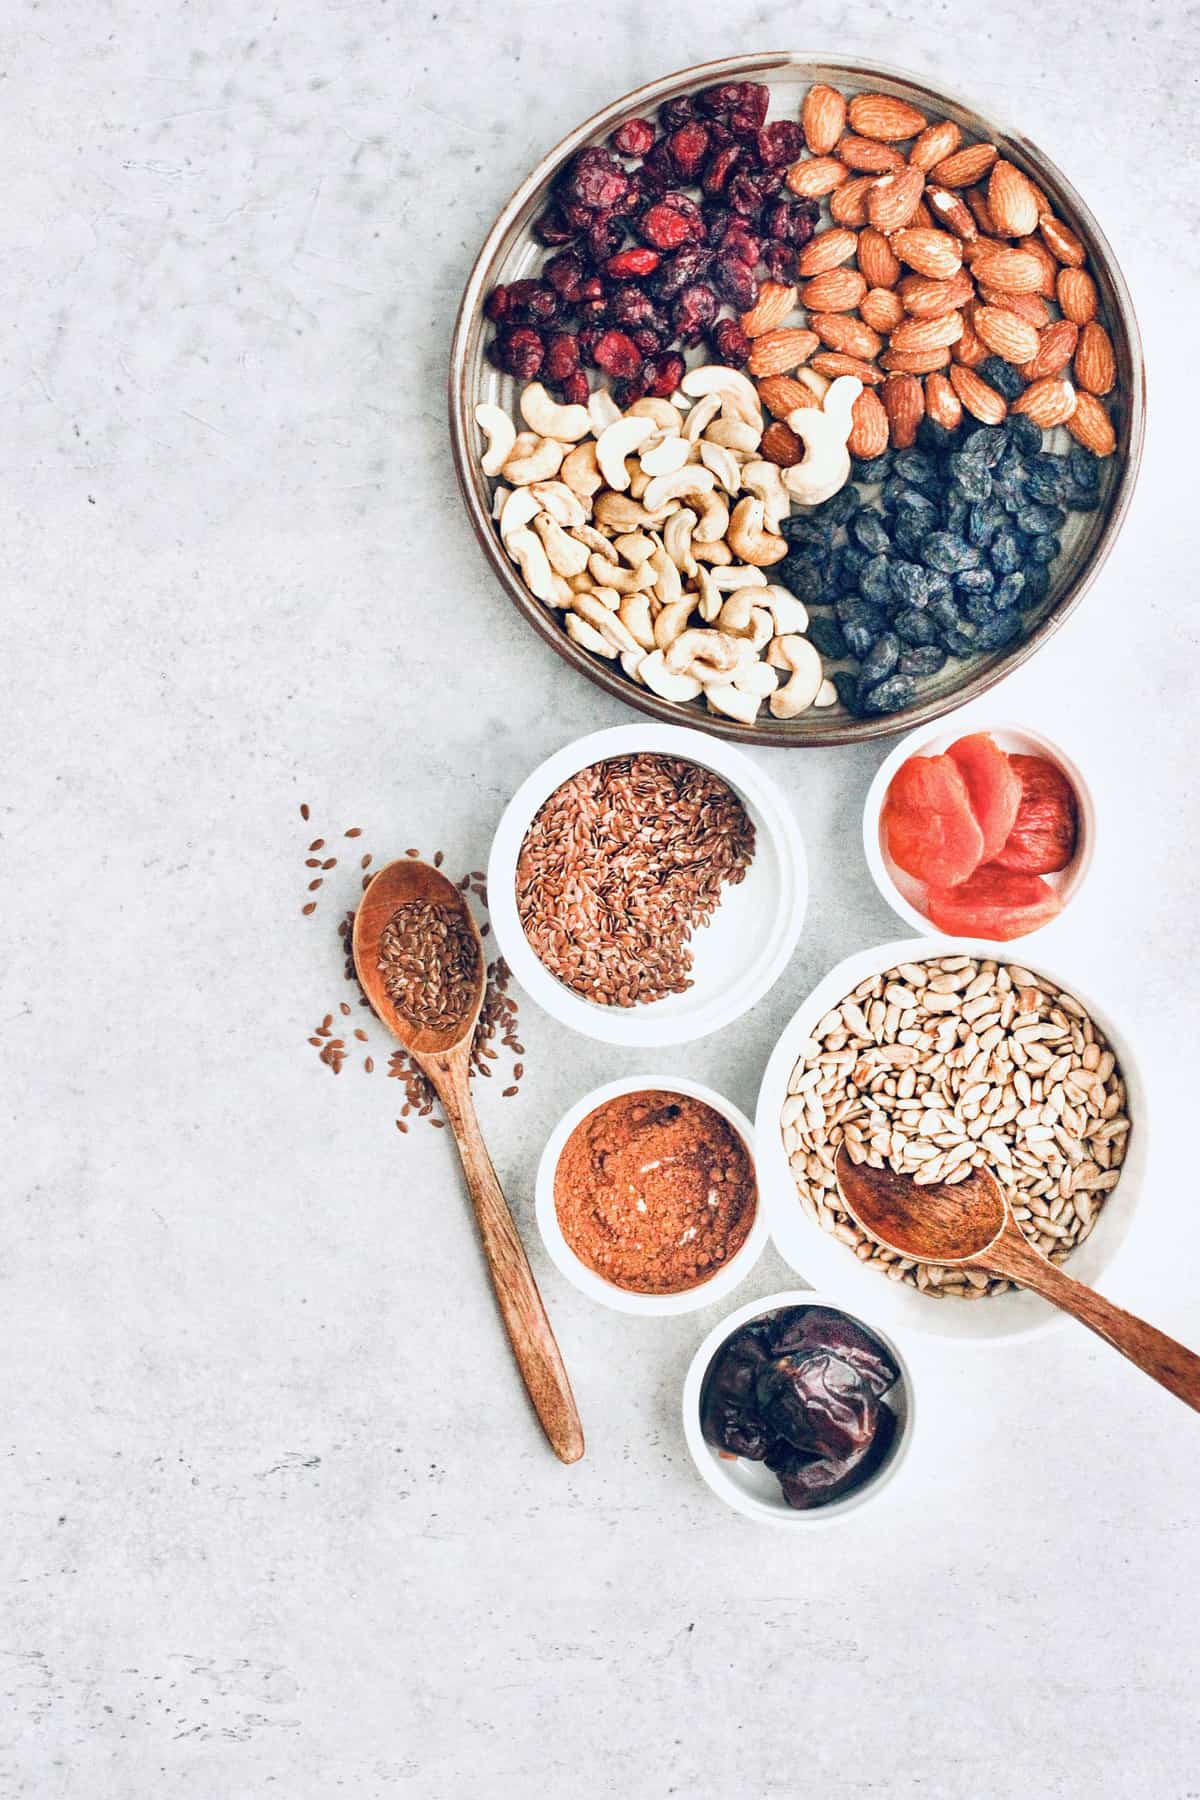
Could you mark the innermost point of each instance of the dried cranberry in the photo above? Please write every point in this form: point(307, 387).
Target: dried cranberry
point(677, 112)
point(587, 340)
point(776, 221)
point(719, 134)
point(663, 374)
point(657, 171)
point(734, 281)
point(565, 274)
point(553, 227)
point(737, 240)
point(648, 342)
point(630, 202)
point(532, 303)
point(518, 350)
point(745, 127)
point(575, 389)
point(626, 392)
point(633, 138)
point(562, 356)
point(781, 142)
point(594, 178)
point(631, 265)
point(720, 167)
point(730, 343)
point(694, 311)
point(804, 222)
point(632, 305)
point(688, 147)
point(593, 310)
point(666, 225)
point(604, 238)
point(727, 97)
point(498, 305)
point(686, 265)
point(747, 193)
point(617, 355)
point(578, 217)
point(779, 260)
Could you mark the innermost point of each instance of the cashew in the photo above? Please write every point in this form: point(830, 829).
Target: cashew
point(501, 435)
point(742, 618)
point(542, 414)
point(667, 455)
point(705, 654)
point(615, 443)
point(723, 697)
point(839, 400)
point(797, 655)
point(677, 540)
point(664, 682)
point(735, 406)
point(625, 581)
point(526, 551)
point(665, 416)
point(764, 481)
point(538, 464)
point(827, 695)
point(582, 634)
point(790, 615)
point(595, 540)
point(739, 575)
point(710, 602)
point(620, 513)
point(581, 471)
point(520, 507)
point(635, 547)
point(689, 482)
point(815, 383)
point(724, 465)
point(565, 554)
point(701, 416)
point(561, 592)
point(603, 410)
point(715, 378)
point(748, 539)
point(631, 662)
point(639, 481)
point(826, 465)
point(712, 523)
point(671, 621)
point(667, 585)
point(499, 496)
point(735, 434)
point(557, 499)
point(756, 678)
point(581, 584)
point(717, 552)
point(594, 613)
point(634, 613)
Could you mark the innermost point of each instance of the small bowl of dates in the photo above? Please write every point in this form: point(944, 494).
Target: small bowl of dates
point(796, 1412)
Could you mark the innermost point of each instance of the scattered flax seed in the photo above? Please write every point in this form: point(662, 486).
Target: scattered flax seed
point(400, 1125)
point(484, 929)
point(312, 862)
point(330, 862)
point(344, 1008)
point(361, 1035)
point(518, 1070)
point(438, 1124)
point(412, 853)
point(365, 863)
point(439, 859)
point(317, 844)
point(366, 882)
point(314, 885)
point(303, 810)
point(369, 1064)
point(508, 1092)
point(354, 831)
point(316, 1041)
point(310, 908)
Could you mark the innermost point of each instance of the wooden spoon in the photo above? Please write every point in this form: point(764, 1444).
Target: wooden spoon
point(970, 1223)
point(444, 1056)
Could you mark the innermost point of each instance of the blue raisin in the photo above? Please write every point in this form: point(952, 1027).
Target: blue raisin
point(1044, 548)
point(909, 583)
point(915, 627)
point(803, 576)
point(807, 529)
point(946, 551)
point(873, 581)
point(877, 468)
point(1046, 478)
point(921, 659)
point(1081, 500)
point(1025, 434)
point(826, 636)
point(919, 470)
point(1083, 467)
point(1010, 590)
point(971, 474)
point(1037, 585)
point(880, 659)
point(846, 684)
point(999, 630)
point(955, 511)
point(1037, 519)
point(852, 609)
point(1005, 377)
point(838, 509)
point(978, 608)
point(988, 442)
point(1005, 552)
point(867, 530)
point(974, 581)
point(932, 436)
point(889, 696)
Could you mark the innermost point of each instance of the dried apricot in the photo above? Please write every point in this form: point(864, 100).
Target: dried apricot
point(993, 903)
point(1046, 828)
point(928, 824)
point(993, 785)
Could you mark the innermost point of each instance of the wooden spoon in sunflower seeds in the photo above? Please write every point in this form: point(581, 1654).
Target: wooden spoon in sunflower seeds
point(447, 988)
point(970, 1223)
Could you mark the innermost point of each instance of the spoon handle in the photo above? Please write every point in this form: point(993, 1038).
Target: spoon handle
point(521, 1308)
point(1169, 1363)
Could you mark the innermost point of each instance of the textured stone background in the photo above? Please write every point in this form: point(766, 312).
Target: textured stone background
point(276, 1517)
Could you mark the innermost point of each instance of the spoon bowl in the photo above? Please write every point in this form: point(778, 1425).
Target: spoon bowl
point(406, 883)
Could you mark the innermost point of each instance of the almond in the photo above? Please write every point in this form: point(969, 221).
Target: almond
point(951, 212)
point(881, 309)
point(832, 364)
point(915, 362)
point(904, 404)
point(828, 250)
point(1077, 295)
point(977, 201)
point(1033, 246)
point(838, 290)
point(868, 427)
point(1006, 333)
point(849, 204)
point(777, 351)
point(1095, 364)
point(815, 176)
point(893, 199)
point(883, 116)
point(923, 217)
point(781, 395)
point(926, 299)
point(1048, 402)
point(1062, 244)
point(780, 444)
point(1012, 271)
point(1011, 200)
point(942, 403)
point(1091, 426)
point(932, 253)
point(842, 331)
point(1056, 347)
point(965, 167)
point(970, 350)
point(1030, 307)
point(876, 258)
point(822, 118)
point(776, 300)
point(928, 334)
point(865, 156)
point(935, 144)
point(980, 400)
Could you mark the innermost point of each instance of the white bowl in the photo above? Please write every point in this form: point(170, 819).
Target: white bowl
point(832, 1265)
point(735, 958)
point(749, 1487)
point(904, 894)
point(586, 1280)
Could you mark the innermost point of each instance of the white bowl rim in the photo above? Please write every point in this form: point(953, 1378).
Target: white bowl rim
point(708, 1463)
point(969, 721)
point(840, 1273)
point(641, 1026)
point(718, 1286)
